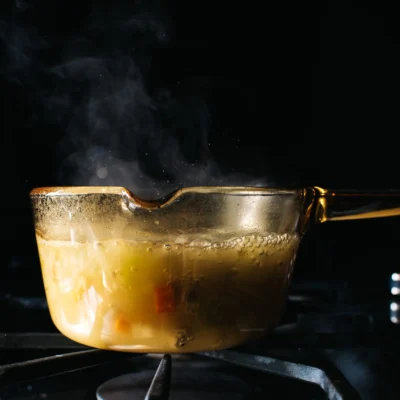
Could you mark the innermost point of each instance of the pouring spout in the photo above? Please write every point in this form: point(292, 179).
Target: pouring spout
point(339, 205)
point(131, 201)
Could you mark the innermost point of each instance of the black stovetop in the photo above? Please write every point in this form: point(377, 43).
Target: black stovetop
point(221, 375)
point(346, 347)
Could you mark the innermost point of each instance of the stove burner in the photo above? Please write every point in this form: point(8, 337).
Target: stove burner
point(231, 375)
point(204, 385)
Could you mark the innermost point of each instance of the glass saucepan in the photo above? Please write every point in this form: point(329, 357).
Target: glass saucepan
point(205, 268)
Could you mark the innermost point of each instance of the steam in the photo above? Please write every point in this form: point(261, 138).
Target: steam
point(119, 129)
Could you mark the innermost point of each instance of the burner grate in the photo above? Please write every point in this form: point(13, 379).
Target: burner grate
point(159, 388)
point(54, 365)
point(329, 379)
point(332, 383)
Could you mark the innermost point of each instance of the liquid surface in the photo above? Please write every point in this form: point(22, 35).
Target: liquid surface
point(167, 296)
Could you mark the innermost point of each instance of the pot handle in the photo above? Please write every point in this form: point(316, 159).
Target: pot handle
point(338, 205)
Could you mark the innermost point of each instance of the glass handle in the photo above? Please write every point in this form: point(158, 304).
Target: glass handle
point(337, 205)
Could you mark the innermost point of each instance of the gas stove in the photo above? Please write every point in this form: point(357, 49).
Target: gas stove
point(227, 374)
point(328, 346)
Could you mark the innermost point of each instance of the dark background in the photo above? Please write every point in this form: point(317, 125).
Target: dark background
point(299, 93)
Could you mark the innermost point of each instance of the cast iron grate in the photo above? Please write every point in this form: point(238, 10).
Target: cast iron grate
point(330, 380)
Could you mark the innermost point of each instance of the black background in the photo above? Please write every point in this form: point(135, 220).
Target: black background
point(303, 93)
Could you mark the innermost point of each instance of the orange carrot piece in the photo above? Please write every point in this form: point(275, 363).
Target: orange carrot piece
point(164, 299)
point(121, 325)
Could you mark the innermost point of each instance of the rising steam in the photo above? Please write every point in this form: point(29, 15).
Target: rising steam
point(118, 129)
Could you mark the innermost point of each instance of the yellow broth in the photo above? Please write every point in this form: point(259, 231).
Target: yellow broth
point(179, 296)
